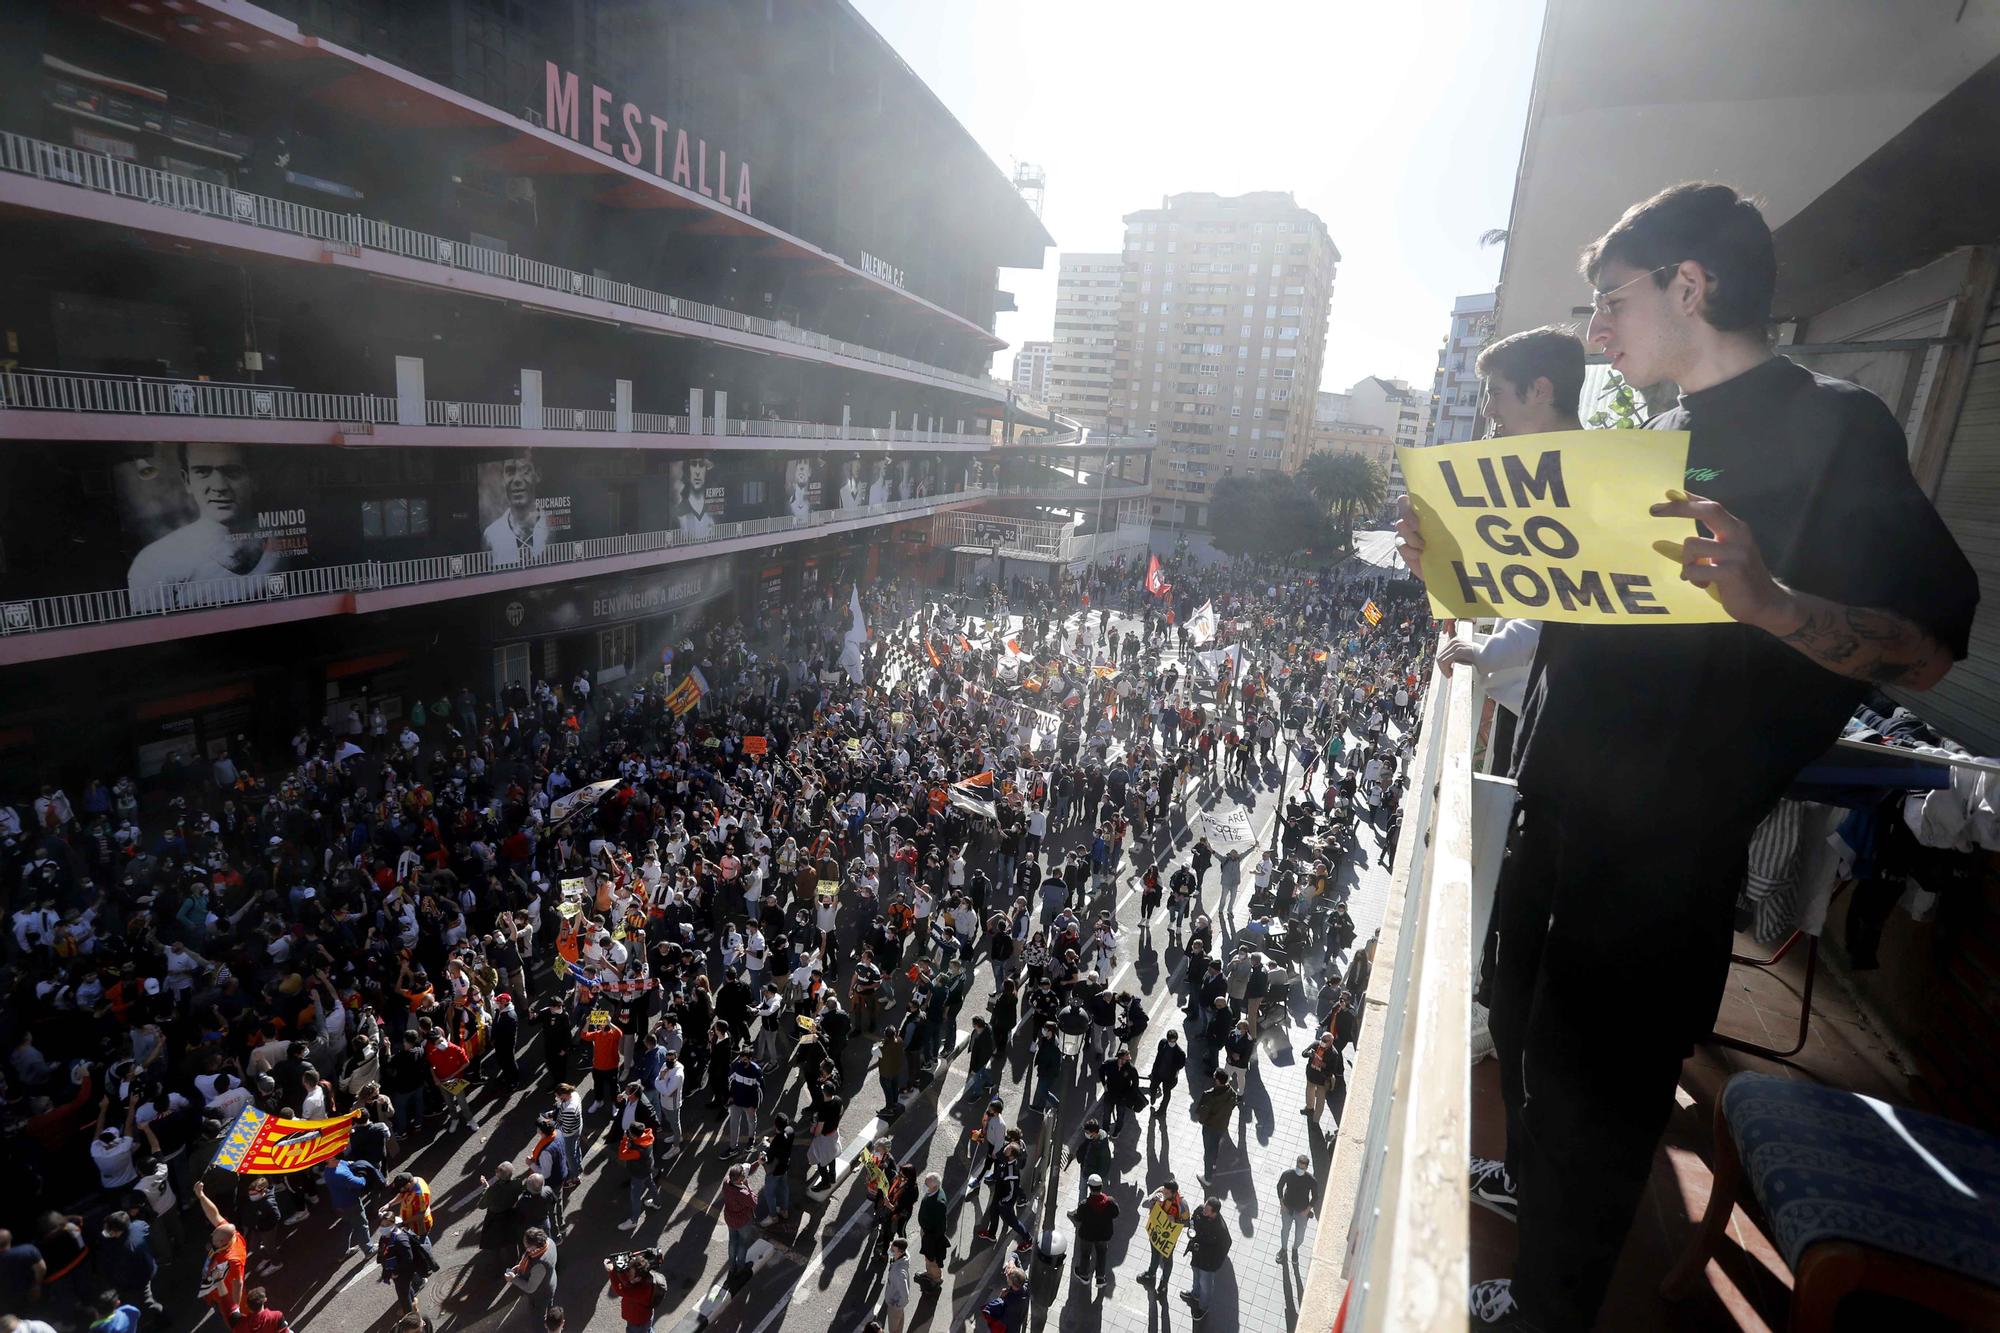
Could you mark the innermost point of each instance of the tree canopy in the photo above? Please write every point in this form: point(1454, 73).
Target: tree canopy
point(1268, 514)
point(1346, 484)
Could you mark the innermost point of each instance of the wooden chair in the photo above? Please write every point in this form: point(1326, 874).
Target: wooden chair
point(1860, 1196)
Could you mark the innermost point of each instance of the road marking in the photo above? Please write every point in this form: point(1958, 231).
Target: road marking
point(855, 1218)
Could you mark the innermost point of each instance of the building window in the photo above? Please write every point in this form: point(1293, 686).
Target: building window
point(384, 520)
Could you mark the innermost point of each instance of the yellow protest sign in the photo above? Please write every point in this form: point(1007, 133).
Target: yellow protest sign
point(1556, 527)
point(1163, 1228)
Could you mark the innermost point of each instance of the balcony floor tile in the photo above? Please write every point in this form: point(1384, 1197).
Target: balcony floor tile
point(1749, 1288)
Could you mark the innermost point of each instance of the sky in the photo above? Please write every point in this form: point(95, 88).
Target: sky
point(1397, 121)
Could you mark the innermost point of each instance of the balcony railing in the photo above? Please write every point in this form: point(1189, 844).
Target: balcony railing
point(64, 391)
point(1394, 1233)
point(23, 156)
point(70, 611)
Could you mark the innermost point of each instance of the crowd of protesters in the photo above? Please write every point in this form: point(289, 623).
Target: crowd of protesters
point(704, 910)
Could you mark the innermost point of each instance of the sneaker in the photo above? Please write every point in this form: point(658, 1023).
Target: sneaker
point(628, 1224)
point(593, 1108)
point(1493, 1188)
point(1491, 1301)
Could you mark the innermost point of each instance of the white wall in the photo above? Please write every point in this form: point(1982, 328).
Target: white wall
point(1779, 98)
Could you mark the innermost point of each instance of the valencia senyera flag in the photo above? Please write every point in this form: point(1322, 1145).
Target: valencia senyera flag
point(268, 1145)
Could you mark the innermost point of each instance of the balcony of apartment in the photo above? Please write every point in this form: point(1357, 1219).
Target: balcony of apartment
point(58, 181)
point(63, 405)
point(1399, 1241)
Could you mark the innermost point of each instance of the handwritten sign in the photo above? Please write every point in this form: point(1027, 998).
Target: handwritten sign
point(1229, 825)
point(1164, 1229)
point(1555, 527)
point(756, 744)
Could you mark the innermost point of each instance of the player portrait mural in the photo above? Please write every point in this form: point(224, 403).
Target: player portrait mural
point(518, 518)
point(207, 516)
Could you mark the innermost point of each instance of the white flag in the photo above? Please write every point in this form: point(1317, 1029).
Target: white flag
point(856, 639)
point(1201, 625)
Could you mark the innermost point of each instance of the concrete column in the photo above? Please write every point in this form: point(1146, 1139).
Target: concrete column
point(892, 427)
point(621, 406)
point(721, 412)
point(694, 412)
point(409, 391)
point(531, 399)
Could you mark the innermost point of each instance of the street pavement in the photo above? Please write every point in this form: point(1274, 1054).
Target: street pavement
point(819, 1271)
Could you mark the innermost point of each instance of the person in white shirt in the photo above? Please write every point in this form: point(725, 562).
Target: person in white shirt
point(113, 1152)
point(229, 1098)
point(317, 1104)
point(1502, 659)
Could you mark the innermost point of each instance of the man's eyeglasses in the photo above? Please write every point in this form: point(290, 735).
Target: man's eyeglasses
point(1599, 307)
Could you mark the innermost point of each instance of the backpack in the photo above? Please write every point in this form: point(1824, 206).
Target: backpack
point(398, 1252)
point(662, 1292)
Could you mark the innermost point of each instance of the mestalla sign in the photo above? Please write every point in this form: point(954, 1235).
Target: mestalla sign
point(638, 138)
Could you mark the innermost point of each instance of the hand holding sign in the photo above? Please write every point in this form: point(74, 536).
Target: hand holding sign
point(1728, 565)
point(1553, 527)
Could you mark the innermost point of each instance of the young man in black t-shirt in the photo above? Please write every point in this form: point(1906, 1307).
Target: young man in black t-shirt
point(1647, 756)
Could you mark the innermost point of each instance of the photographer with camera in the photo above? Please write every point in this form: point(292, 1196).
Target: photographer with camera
point(641, 1289)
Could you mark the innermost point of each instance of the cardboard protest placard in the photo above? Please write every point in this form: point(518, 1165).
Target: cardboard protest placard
point(1556, 527)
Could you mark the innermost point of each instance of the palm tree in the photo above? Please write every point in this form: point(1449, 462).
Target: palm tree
point(1347, 484)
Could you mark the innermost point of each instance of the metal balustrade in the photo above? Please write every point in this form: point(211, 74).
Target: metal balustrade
point(73, 610)
point(65, 391)
point(23, 156)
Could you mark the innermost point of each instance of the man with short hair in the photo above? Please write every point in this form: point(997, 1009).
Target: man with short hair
point(1648, 755)
point(126, 1261)
point(535, 1273)
point(1208, 1251)
point(1533, 381)
point(1296, 1188)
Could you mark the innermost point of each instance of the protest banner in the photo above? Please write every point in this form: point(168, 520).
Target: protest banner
point(1556, 527)
point(1229, 825)
point(756, 744)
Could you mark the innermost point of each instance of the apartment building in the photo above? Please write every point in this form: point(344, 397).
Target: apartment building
point(1455, 386)
point(1335, 431)
point(1087, 287)
point(1031, 369)
point(1222, 329)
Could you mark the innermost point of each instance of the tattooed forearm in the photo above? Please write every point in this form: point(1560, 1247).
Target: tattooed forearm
point(1874, 646)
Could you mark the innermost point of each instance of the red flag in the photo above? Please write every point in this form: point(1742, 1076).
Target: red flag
point(963, 645)
point(932, 651)
point(1156, 582)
